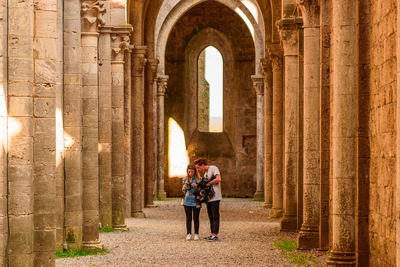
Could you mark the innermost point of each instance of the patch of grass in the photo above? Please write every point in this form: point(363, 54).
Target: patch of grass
point(286, 245)
point(159, 199)
point(289, 249)
point(106, 229)
point(275, 230)
point(300, 258)
point(79, 253)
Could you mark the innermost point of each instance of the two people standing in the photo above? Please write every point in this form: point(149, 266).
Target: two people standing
point(207, 171)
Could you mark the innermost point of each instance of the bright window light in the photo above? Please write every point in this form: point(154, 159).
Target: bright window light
point(252, 8)
point(246, 20)
point(177, 154)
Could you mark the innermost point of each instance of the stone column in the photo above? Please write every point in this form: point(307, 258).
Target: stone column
point(150, 132)
point(120, 43)
point(325, 136)
point(60, 183)
point(398, 141)
point(105, 127)
point(258, 85)
point(343, 133)
point(20, 134)
point(161, 87)
point(138, 62)
point(309, 234)
point(44, 132)
point(277, 134)
point(268, 96)
point(289, 37)
point(91, 18)
point(3, 133)
point(128, 131)
point(72, 125)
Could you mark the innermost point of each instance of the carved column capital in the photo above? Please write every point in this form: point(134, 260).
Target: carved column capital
point(153, 63)
point(276, 59)
point(266, 65)
point(258, 84)
point(139, 60)
point(92, 15)
point(288, 31)
point(120, 43)
point(162, 81)
point(310, 12)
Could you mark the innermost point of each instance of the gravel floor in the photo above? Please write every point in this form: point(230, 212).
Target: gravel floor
point(246, 239)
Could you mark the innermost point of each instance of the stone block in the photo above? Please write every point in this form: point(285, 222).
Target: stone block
point(49, 5)
point(20, 11)
point(46, 24)
point(20, 205)
point(45, 48)
point(20, 46)
point(21, 152)
point(20, 69)
point(45, 108)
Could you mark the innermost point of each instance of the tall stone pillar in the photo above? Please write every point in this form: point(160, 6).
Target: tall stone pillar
point(20, 134)
point(150, 132)
point(398, 141)
point(3, 133)
point(161, 87)
point(268, 96)
point(105, 127)
point(277, 134)
point(258, 85)
point(325, 136)
point(72, 125)
point(289, 37)
point(128, 131)
point(138, 62)
point(91, 19)
point(343, 133)
point(44, 132)
point(309, 231)
point(119, 44)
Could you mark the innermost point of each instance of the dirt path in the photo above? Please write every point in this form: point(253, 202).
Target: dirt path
point(246, 239)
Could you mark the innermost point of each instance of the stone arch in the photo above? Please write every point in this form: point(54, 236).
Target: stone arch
point(203, 39)
point(176, 10)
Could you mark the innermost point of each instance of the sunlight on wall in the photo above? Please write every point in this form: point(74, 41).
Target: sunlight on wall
point(177, 154)
point(246, 20)
point(68, 140)
point(252, 8)
point(3, 119)
point(59, 137)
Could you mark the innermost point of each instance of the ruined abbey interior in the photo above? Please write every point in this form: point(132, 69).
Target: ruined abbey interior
point(90, 90)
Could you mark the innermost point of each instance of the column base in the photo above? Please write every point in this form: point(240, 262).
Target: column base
point(308, 237)
point(258, 196)
point(150, 205)
point(162, 194)
point(275, 213)
point(92, 245)
point(266, 205)
point(341, 259)
point(122, 228)
point(288, 223)
point(138, 214)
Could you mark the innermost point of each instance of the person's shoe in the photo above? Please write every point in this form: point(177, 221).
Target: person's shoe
point(196, 237)
point(213, 238)
point(208, 237)
point(188, 237)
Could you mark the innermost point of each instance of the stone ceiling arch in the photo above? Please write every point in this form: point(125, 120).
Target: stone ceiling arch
point(171, 11)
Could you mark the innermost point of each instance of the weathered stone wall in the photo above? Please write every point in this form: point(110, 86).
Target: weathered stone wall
point(203, 95)
point(238, 171)
point(381, 72)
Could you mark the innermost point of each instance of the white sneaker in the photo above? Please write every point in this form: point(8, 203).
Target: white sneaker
point(188, 237)
point(196, 237)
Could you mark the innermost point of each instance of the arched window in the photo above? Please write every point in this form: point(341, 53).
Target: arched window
point(210, 91)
